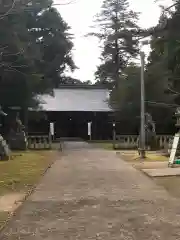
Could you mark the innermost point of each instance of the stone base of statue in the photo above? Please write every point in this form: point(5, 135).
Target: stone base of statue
point(17, 140)
point(152, 142)
point(4, 150)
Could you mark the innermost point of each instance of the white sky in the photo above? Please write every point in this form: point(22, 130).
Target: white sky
point(80, 14)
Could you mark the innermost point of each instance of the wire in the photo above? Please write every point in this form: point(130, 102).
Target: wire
point(163, 104)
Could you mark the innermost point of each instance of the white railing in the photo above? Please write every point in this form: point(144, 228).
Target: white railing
point(39, 142)
point(131, 141)
point(164, 141)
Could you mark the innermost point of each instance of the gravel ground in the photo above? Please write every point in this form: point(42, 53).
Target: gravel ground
point(92, 194)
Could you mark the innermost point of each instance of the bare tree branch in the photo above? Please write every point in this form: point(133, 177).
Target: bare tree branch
point(18, 5)
point(173, 91)
point(168, 8)
point(66, 3)
point(157, 29)
point(14, 8)
point(11, 68)
point(14, 54)
point(9, 10)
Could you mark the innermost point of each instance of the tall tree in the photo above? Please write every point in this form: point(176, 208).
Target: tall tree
point(158, 101)
point(118, 32)
point(166, 49)
point(35, 50)
point(125, 98)
point(172, 50)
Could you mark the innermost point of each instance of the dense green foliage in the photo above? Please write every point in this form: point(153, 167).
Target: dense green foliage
point(119, 65)
point(35, 50)
point(36, 47)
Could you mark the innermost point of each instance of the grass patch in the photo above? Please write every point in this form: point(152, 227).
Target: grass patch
point(133, 156)
point(154, 161)
point(20, 174)
point(23, 171)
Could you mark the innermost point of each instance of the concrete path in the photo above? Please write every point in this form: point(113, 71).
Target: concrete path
point(162, 172)
point(92, 194)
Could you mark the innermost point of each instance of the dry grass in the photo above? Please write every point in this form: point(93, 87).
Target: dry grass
point(133, 156)
point(22, 173)
point(149, 165)
point(154, 161)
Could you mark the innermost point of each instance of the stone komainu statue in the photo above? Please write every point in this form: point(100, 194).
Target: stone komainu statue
point(17, 137)
point(150, 130)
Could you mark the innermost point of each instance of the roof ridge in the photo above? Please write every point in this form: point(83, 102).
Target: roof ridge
point(79, 86)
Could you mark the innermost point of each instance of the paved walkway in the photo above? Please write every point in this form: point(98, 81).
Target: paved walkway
point(91, 194)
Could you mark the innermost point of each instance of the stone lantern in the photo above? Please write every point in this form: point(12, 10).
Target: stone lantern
point(177, 114)
point(4, 149)
point(174, 145)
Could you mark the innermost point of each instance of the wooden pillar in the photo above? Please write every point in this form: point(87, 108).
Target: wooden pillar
point(114, 135)
point(94, 126)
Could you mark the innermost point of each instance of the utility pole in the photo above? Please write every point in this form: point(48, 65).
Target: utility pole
point(142, 134)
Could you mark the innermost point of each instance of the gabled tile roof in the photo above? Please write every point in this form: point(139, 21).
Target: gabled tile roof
point(77, 99)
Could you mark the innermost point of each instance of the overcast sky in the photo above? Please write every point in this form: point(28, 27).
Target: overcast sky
point(80, 14)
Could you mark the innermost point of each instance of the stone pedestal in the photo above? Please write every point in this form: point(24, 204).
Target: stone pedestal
point(4, 150)
point(17, 140)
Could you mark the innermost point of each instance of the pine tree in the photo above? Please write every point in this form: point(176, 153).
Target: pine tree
point(118, 32)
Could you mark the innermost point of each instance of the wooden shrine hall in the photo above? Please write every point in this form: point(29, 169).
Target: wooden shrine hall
point(71, 108)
